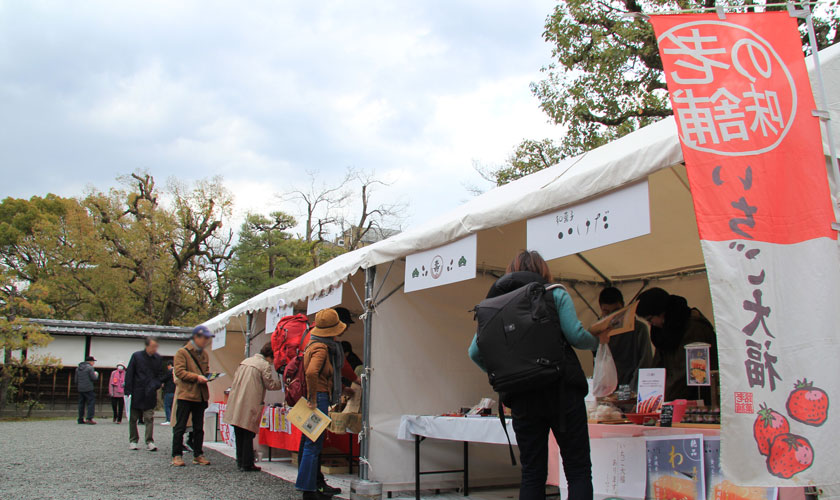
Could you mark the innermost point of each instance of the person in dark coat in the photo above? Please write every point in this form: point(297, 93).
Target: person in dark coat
point(673, 325)
point(558, 408)
point(143, 378)
point(631, 351)
point(85, 377)
point(168, 392)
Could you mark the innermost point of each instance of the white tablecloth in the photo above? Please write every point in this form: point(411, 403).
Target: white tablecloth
point(475, 430)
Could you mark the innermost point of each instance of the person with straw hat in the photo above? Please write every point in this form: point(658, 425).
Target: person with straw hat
point(323, 385)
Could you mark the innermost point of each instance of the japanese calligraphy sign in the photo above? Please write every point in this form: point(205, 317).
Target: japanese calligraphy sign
point(743, 105)
point(443, 265)
point(273, 315)
point(327, 298)
point(613, 217)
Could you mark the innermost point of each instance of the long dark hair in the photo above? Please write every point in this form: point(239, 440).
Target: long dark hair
point(530, 261)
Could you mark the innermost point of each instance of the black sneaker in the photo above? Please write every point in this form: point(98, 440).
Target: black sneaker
point(328, 490)
point(315, 495)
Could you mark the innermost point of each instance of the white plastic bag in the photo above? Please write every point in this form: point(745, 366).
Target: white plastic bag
point(605, 379)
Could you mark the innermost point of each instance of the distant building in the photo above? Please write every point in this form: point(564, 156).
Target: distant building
point(109, 343)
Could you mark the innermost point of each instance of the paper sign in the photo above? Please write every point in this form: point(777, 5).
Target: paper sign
point(720, 488)
point(617, 216)
point(312, 423)
point(442, 265)
point(675, 467)
point(273, 316)
point(327, 298)
point(617, 471)
point(220, 338)
point(697, 364)
point(651, 390)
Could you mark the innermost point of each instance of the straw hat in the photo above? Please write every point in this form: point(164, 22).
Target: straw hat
point(327, 324)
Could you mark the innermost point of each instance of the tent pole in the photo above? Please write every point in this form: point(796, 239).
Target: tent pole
point(823, 114)
point(249, 318)
point(364, 448)
point(603, 276)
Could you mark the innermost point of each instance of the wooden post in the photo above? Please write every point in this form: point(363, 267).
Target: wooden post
point(52, 394)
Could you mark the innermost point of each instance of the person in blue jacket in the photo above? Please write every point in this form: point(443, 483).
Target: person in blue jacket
point(558, 408)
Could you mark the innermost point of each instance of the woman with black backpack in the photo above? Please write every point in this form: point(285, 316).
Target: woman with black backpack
point(558, 406)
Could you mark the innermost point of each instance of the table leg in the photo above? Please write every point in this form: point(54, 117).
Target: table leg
point(466, 468)
point(417, 467)
point(269, 453)
point(350, 458)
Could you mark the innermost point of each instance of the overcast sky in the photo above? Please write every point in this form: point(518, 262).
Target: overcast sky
point(260, 92)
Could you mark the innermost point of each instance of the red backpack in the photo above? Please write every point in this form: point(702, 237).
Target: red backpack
point(286, 339)
point(288, 344)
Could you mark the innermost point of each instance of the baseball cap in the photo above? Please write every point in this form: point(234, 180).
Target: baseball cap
point(203, 331)
point(344, 315)
point(90, 358)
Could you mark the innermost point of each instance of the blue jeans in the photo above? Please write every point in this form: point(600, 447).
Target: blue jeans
point(167, 404)
point(307, 478)
point(87, 400)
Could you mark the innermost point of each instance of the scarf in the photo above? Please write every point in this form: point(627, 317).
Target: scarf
point(670, 336)
point(337, 361)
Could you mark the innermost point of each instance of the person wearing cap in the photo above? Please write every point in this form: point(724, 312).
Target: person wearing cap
point(322, 361)
point(85, 377)
point(191, 367)
point(116, 389)
point(143, 377)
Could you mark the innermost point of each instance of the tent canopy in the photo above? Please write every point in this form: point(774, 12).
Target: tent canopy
point(652, 152)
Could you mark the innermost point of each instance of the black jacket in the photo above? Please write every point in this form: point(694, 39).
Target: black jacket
point(547, 401)
point(143, 377)
point(169, 383)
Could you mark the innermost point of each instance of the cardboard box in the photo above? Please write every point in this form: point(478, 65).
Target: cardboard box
point(344, 422)
point(335, 466)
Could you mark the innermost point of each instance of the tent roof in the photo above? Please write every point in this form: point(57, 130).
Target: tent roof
point(629, 159)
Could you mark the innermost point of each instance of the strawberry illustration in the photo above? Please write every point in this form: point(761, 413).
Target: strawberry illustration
point(808, 404)
point(768, 425)
point(789, 455)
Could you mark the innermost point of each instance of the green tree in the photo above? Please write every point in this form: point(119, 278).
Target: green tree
point(266, 255)
point(605, 78)
point(18, 335)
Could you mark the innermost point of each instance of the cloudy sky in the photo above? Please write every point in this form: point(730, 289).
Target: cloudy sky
point(261, 92)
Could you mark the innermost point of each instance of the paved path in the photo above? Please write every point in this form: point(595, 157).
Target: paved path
point(63, 460)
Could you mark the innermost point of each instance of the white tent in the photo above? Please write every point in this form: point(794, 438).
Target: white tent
point(419, 339)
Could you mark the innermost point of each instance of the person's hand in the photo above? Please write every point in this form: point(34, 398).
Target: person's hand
point(202, 379)
point(311, 404)
point(604, 336)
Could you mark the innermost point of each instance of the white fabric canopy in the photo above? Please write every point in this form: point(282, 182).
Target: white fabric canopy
point(419, 339)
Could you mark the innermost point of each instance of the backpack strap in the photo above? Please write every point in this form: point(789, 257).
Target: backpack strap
point(504, 428)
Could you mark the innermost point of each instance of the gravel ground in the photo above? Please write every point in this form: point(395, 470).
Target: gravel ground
point(60, 459)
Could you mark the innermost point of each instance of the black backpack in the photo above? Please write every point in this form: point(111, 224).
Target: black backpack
point(520, 341)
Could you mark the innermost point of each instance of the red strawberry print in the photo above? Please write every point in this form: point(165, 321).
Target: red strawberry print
point(768, 425)
point(789, 455)
point(808, 404)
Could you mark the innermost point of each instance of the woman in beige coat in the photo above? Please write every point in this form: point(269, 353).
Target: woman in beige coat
point(254, 376)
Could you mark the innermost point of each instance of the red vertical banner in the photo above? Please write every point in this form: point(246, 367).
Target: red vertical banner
point(743, 105)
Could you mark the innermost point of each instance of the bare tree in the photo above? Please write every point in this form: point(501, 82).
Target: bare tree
point(321, 205)
point(372, 221)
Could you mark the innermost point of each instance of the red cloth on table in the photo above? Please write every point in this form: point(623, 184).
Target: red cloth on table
point(291, 441)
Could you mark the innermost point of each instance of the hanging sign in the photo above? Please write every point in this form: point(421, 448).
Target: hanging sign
point(752, 147)
point(443, 265)
point(617, 216)
point(327, 298)
point(273, 316)
point(220, 338)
